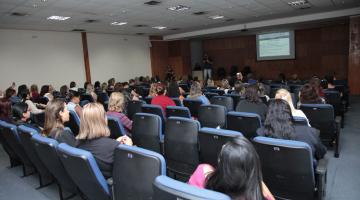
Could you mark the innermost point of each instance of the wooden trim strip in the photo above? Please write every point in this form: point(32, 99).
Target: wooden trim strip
point(86, 56)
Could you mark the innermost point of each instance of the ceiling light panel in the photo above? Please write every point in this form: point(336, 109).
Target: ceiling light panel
point(118, 23)
point(217, 17)
point(179, 8)
point(58, 18)
point(159, 27)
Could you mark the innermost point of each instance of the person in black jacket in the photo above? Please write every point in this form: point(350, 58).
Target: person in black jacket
point(21, 116)
point(279, 124)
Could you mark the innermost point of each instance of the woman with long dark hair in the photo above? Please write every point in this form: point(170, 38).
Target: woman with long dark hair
point(309, 95)
point(252, 102)
point(279, 124)
point(238, 173)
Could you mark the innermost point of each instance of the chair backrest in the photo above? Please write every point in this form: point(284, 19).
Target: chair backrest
point(209, 95)
point(218, 91)
point(211, 141)
point(84, 102)
point(39, 118)
point(154, 109)
point(134, 172)
point(193, 105)
point(333, 97)
point(185, 87)
point(177, 101)
point(321, 116)
point(212, 116)
point(147, 131)
point(83, 170)
point(228, 102)
point(133, 107)
point(46, 150)
point(300, 121)
point(166, 188)
point(148, 99)
point(236, 98)
point(14, 159)
point(287, 167)
point(86, 97)
point(246, 123)
point(73, 123)
point(178, 111)
point(181, 138)
point(25, 135)
point(116, 127)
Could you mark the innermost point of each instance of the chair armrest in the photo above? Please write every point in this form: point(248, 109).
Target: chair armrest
point(110, 182)
point(321, 173)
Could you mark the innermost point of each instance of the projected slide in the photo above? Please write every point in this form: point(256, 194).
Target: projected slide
point(272, 46)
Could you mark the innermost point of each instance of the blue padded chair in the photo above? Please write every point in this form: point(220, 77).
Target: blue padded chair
point(166, 188)
point(212, 116)
point(209, 95)
point(46, 150)
point(116, 127)
point(181, 145)
point(133, 107)
point(177, 111)
point(322, 117)
point(73, 123)
point(25, 134)
point(134, 172)
point(300, 121)
point(10, 134)
point(193, 105)
point(148, 99)
point(83, 170)
point(226, 101)
point(84, 102)
point(87, 97)
point(244, 122)
point(211, 141)
point(288, 169)
point(156, 110)
point(236, 98)
point(147, 131)
point(218, 91)
point(177, 101)
point(39, 118)
point(13, 158)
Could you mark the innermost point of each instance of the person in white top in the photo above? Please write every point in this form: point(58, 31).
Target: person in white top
point(33, 107)
point(285, 95)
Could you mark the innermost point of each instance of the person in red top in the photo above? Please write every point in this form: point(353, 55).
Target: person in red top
point(161, 99)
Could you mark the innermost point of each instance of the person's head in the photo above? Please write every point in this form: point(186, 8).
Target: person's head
point(21, 90)
point(20, 112)
point(330, 79)
point(173, 89)
point(44, 89)
point(238, 173)
point(225, 84)
point(74, 97)
point(239, 87)
point(34, 88)
point(104, 86)
point(56, 114)
point(97, 84)
point(279, 121)
point(125, 85)
point(9, 93)
point(239, 76)
point(195, 89)
point(252, 94)
point(131, 82)
point(93, 123)
point(160, 89)
point(152, 90)
point(111, 82)
point(285, 95)
point(72, 84)
point(89, 88)
point(294, 77)
point(64, 90)
point(315, 82)
point(282, 77)
point(116, 102)
point(118, 87)
point(86, 84)
point(24, 94)
point(5, 109)
point(308, 94)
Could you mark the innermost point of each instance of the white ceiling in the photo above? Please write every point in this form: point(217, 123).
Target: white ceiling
point(135, 12)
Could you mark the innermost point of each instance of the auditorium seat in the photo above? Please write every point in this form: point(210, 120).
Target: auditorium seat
point(133, 107)
point(39, 119)
point(166, 188)
point(300, 121)
point(177, 101)
point(223, 101)
point(148, 99)
point(333, 98)
point(73, 123)
point(147, 131)
point(87, 97)
point(211, 141)
point(212, 116)
point(116, 127)
point(244, 122)
point(288, 169)
point(193, 106)
point(156, 110)
point(321, 117)
point(181, 145)
point(13, 158)
point(25, 135)
point(218, 91)
point(236, 98)
point(209, 95)
point(177, 111)
point(84, 171)
point(46, 149)
point(134, 172)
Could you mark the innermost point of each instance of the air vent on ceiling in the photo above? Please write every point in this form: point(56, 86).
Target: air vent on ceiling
point(200, 13)
point(140, 33)
point(78, 30)
point(18, 14)
point(91, 20)
point(140, 25)
point(175, 29)
point(152, 3)
point(230, 20)
point(300, 4)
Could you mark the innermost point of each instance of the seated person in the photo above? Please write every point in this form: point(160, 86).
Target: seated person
point(33, 107)
point(225, 86)
point(239, 88)
point(238, 173)
point(56, 114)
point(21, 116)
point(278, 124)
point(309, 95)
point(5, 110)
point(252, 102)
point(73, 104)
point(116, 108)
point(161, 99)
point(94, 137)
point(196, 93)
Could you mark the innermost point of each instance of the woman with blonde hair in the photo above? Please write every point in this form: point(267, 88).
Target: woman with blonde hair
point(116, 108)
point(56, 114)
point(94, 137)
point(196, 93)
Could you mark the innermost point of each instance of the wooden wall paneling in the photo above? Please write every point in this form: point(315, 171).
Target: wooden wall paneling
point(354, 55)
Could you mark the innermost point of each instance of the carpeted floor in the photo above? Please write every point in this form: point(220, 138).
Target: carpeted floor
point(343, 172)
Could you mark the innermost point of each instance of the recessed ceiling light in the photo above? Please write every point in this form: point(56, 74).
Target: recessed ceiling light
point(216, 17)
point(18, 14)
point(140, 33)
point(118, 23)
point(58, 18)
point(91, 20)
point(297, 2)
point(175, 29)
point(159, 27)
point(179, 8)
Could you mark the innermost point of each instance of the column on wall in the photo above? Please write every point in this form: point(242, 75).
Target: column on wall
point(354, 55)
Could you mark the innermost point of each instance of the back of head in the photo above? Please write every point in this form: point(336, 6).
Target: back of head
point(93, 122)
point(23, 94)
point(73, 94)
point(118, 87)
point(239, 87)
point(21, 89)
point(225, 84)
point(9, 93)
point(72, 84)
point(18, 110)
point(160, 89)
point(64, 90)
point(97, 84)
point(34, 88)
point(173, 89)
point(238, 173)
point(44, 89)
point(195, 89)
point(116, 102)
point(330, 79)
point(52, 115)
point(285, 95)
point(5, 110)
point(252, 94)
point(278, 122)
point(308, 94)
